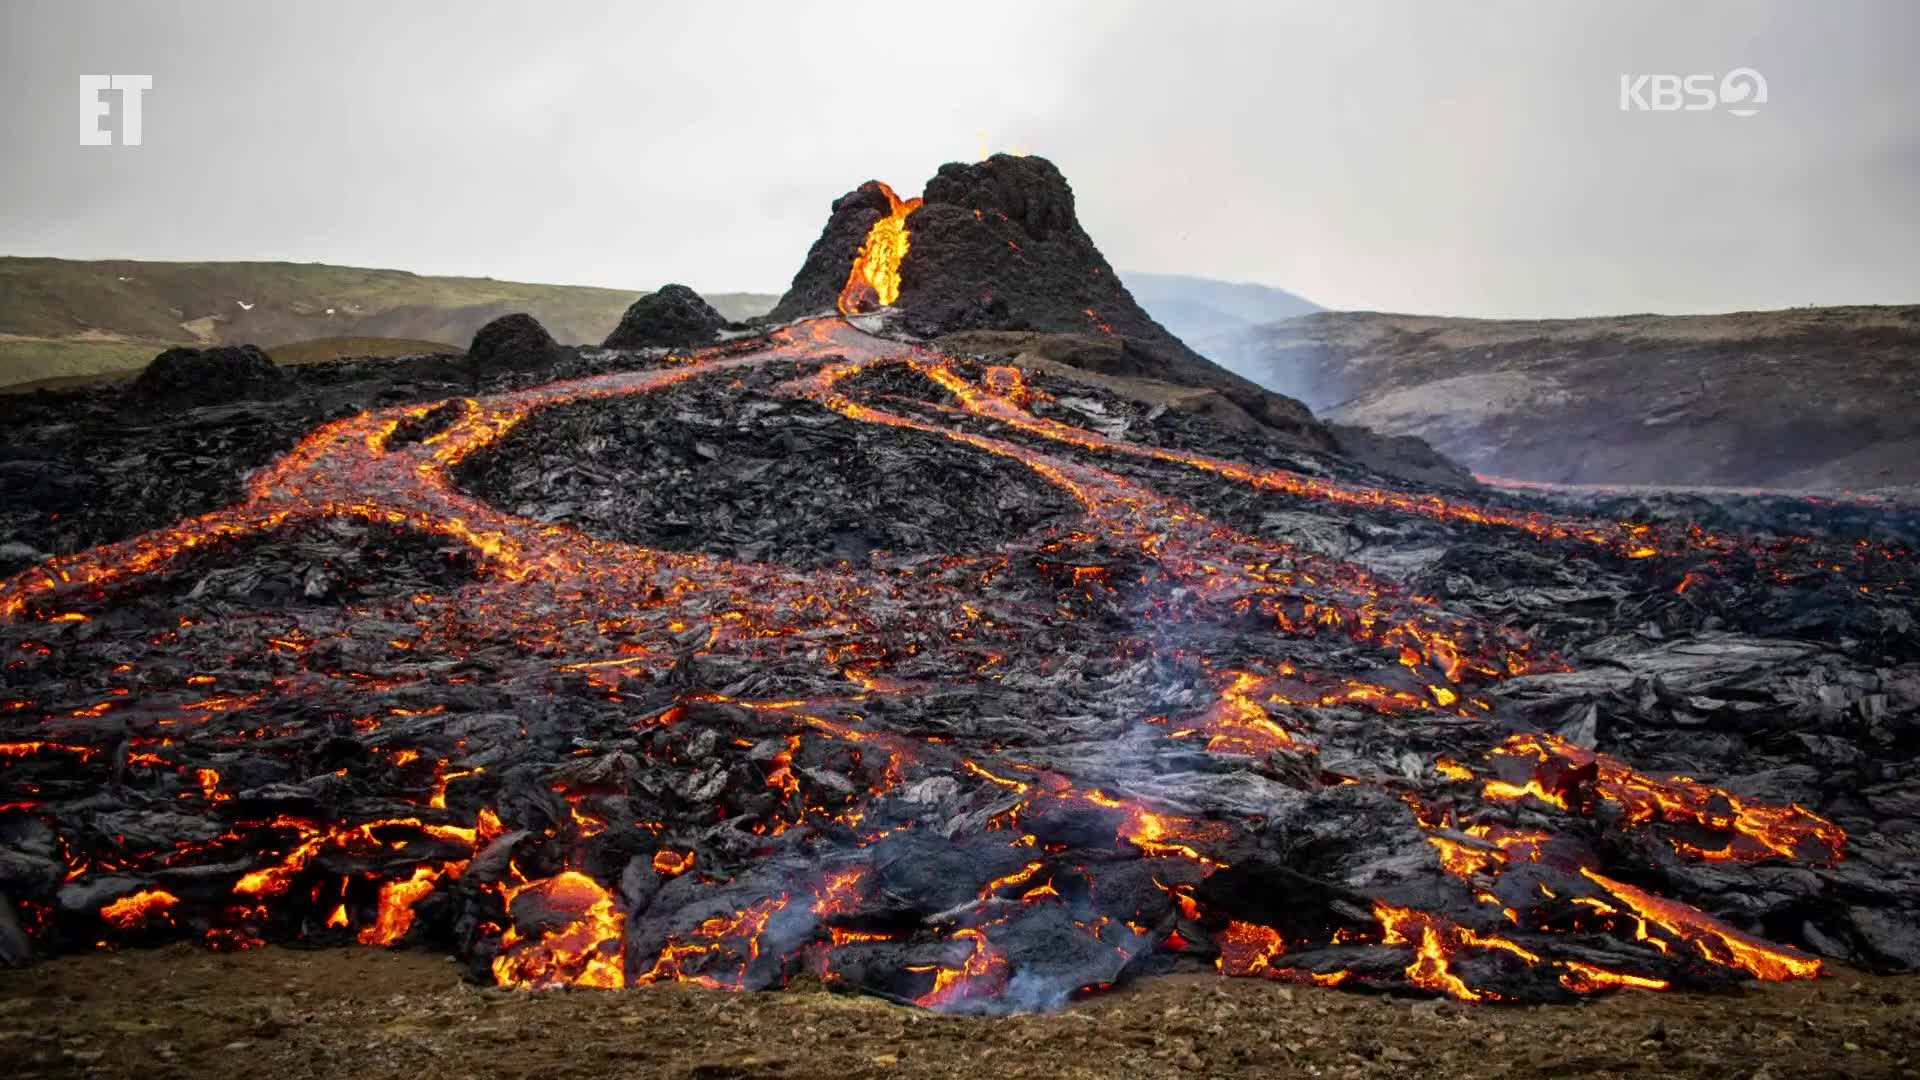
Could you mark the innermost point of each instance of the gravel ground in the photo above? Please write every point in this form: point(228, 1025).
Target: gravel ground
point(273, 1013)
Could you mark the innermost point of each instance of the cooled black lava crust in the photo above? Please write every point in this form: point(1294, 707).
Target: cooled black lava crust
point(758, 478)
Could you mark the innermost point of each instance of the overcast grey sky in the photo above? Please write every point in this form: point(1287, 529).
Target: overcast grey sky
point(1451, 158)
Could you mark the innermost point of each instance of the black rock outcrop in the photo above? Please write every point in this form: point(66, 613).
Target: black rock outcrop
point(514, 342)
point(997, 245)
point(673, 317)
point(191, 377)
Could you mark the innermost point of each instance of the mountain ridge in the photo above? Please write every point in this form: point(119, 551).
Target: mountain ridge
point(1800, 398)
point(1198, 308)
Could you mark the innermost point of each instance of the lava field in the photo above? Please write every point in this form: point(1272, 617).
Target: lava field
point(817, 651)
point(821, 652)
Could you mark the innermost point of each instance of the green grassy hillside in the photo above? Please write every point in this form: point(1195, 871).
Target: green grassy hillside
point(60, 317)
point(337, 348)
point(34, 359)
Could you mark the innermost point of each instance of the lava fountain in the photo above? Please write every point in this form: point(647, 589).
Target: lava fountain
point(874, 280)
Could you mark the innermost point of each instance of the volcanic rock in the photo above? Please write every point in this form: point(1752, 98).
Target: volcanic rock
point(816, 287)
point(719, 471)
point(997, 246)
point(192, 377)
point(1407, 457)
point(514, 342)
point(673, 317)
point(1126, 369)
point(965, 686)
point(15, 949)
point(1118, 366)
point(1123, 367)
point(634, 643)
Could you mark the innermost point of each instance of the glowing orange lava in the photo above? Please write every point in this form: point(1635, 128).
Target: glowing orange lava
point(874, 280)
point(130, 912)
point(585, 951)
point(1713, 939)
point(1753, 831)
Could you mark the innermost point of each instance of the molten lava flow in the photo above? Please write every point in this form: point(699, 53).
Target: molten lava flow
point(397, 898)
point(586, 950)
point(551, 607)
point(1465, 860)
point(1440, 940)
point(672, 863)
point(1751, 831)
point(840, 892)
point(719, 951)
point(1714, 940)
point(1247, 948)
point(1587, 979)
point(982, 973)
point(874, 280)
point(1238, 723)
point(137, 910)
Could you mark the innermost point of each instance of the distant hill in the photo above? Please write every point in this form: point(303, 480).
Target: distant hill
point(1199, 310)
point(320, 350)
point(60, 317)
point(1808, 398)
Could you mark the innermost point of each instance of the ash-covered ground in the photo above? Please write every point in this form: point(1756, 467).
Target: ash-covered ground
point(826, 656)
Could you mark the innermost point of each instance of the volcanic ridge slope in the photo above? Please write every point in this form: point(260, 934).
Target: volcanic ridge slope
point(1808, 399)
point(826, 651)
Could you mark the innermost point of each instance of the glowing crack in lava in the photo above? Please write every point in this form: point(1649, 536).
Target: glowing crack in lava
point(1095, 857)
point(874, 280)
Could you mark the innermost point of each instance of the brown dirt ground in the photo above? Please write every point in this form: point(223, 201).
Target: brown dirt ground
point(273, 1013)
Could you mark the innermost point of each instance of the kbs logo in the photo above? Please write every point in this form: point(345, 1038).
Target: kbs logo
point(92, 108)
point(1740, 92)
